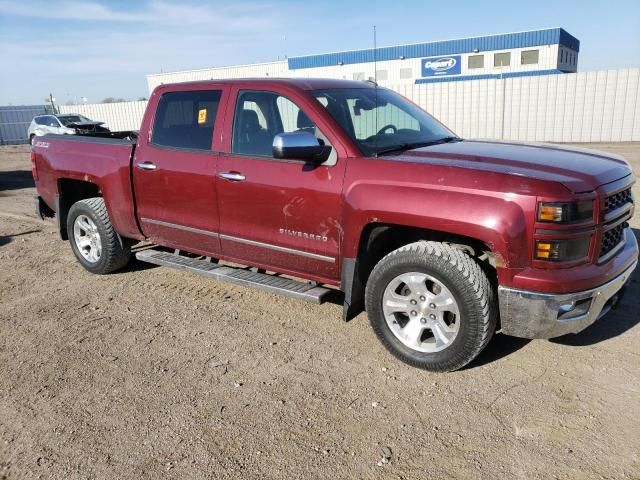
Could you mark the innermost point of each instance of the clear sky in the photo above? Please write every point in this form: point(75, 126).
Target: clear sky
point(98, 49)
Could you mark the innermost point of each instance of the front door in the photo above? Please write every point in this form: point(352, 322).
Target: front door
point(174, 171)
point(281, 214)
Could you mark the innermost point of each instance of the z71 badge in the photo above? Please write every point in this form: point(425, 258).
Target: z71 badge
point(309, 236)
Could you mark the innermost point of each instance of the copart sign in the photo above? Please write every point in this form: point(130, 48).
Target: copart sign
point(439, 66)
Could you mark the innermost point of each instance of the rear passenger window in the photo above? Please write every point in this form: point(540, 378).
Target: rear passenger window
point(186, 119)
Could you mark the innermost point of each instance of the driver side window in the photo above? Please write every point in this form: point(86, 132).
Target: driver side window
point(260, 116)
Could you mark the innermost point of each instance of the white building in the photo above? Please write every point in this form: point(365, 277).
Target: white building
point(532, 53)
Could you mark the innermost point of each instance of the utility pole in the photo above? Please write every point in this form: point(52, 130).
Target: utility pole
point(53, 105)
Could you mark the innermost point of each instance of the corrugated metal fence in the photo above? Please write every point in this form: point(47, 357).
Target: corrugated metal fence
point(15, 120)
point(602, 106)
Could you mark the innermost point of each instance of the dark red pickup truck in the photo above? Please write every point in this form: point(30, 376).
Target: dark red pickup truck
point(352, 187)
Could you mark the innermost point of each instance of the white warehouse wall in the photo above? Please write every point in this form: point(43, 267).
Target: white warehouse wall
point(269, 69)
point(599, 106)
point(117, 116)
point(549, 59)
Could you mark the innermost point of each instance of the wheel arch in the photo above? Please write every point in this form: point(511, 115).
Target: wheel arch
point(71, 191)
point(377, 239)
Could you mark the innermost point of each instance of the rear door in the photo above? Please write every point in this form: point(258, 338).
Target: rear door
point(174, 170)
point(281, 214)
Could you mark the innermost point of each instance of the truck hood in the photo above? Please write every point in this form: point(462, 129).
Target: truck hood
point(578, 169)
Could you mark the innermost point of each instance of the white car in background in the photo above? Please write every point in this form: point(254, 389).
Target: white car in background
point(64, 124)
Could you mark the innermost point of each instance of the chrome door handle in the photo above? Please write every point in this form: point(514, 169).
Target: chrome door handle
point(233, 176)
point(146, 166)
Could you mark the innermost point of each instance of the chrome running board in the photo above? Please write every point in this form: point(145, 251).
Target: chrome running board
point(241, 276)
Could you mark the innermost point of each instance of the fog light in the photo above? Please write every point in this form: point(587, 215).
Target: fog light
point(566, 307)
point(574, 310)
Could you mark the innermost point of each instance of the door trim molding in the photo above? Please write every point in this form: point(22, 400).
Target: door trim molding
point(278, 248)
point(245, 241)
point(179, 227)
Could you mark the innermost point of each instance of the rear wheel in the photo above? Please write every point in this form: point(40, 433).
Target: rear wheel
point(95, 243)
point(431, 305)
point(32, 139)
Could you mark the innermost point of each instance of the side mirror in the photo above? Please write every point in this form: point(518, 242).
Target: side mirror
point(300, 146)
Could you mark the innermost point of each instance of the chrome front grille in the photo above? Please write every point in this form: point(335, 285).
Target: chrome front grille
point(612, 238)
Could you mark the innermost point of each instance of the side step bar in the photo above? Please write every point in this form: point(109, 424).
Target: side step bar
point(270, 283)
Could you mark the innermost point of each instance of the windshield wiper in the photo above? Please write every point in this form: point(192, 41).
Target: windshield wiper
point(409, 146)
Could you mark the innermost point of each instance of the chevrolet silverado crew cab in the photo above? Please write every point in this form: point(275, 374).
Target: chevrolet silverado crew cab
point(324, 185)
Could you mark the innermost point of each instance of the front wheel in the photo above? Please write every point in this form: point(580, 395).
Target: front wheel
point(431, 305)
point(95, 243)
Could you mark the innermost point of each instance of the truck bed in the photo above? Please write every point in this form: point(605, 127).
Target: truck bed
point(129, 135)
point(101, 159)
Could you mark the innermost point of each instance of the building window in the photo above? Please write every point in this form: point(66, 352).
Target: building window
point(382, 75)
point(359, 76)
point(476, 61)
point(529, 57)
point(406, 72)
point(502, 59)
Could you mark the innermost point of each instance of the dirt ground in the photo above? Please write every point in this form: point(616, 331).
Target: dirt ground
point(154, 373)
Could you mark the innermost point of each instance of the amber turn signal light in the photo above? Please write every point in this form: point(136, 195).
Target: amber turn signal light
point(562, 250)
point(550, 213)
point(546, 250)
point(565, 212)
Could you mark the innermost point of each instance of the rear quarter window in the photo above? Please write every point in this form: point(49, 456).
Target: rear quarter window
point(186, 119)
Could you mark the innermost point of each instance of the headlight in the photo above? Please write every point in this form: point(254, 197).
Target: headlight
point(562, 250)
point(565, 212)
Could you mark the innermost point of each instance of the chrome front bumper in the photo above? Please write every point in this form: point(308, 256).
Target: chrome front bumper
point(540, 315)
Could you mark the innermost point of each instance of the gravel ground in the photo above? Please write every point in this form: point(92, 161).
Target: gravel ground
point(153, 373)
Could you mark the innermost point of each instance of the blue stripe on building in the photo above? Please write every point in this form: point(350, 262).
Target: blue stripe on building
point(532, 73)
point(507, 41)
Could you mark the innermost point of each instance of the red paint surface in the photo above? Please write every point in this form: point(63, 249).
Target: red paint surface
point(480, 189)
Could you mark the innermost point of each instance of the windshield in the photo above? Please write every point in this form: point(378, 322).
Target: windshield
point(383, 124)
point(69, 119)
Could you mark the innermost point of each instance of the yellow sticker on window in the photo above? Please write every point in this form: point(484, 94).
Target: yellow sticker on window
point(202, 115)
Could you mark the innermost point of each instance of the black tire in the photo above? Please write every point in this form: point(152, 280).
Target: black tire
point(31, 139)
point(467, 282)
point(116, 251)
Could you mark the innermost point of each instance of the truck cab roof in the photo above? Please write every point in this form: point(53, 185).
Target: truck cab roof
point(299, 83)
